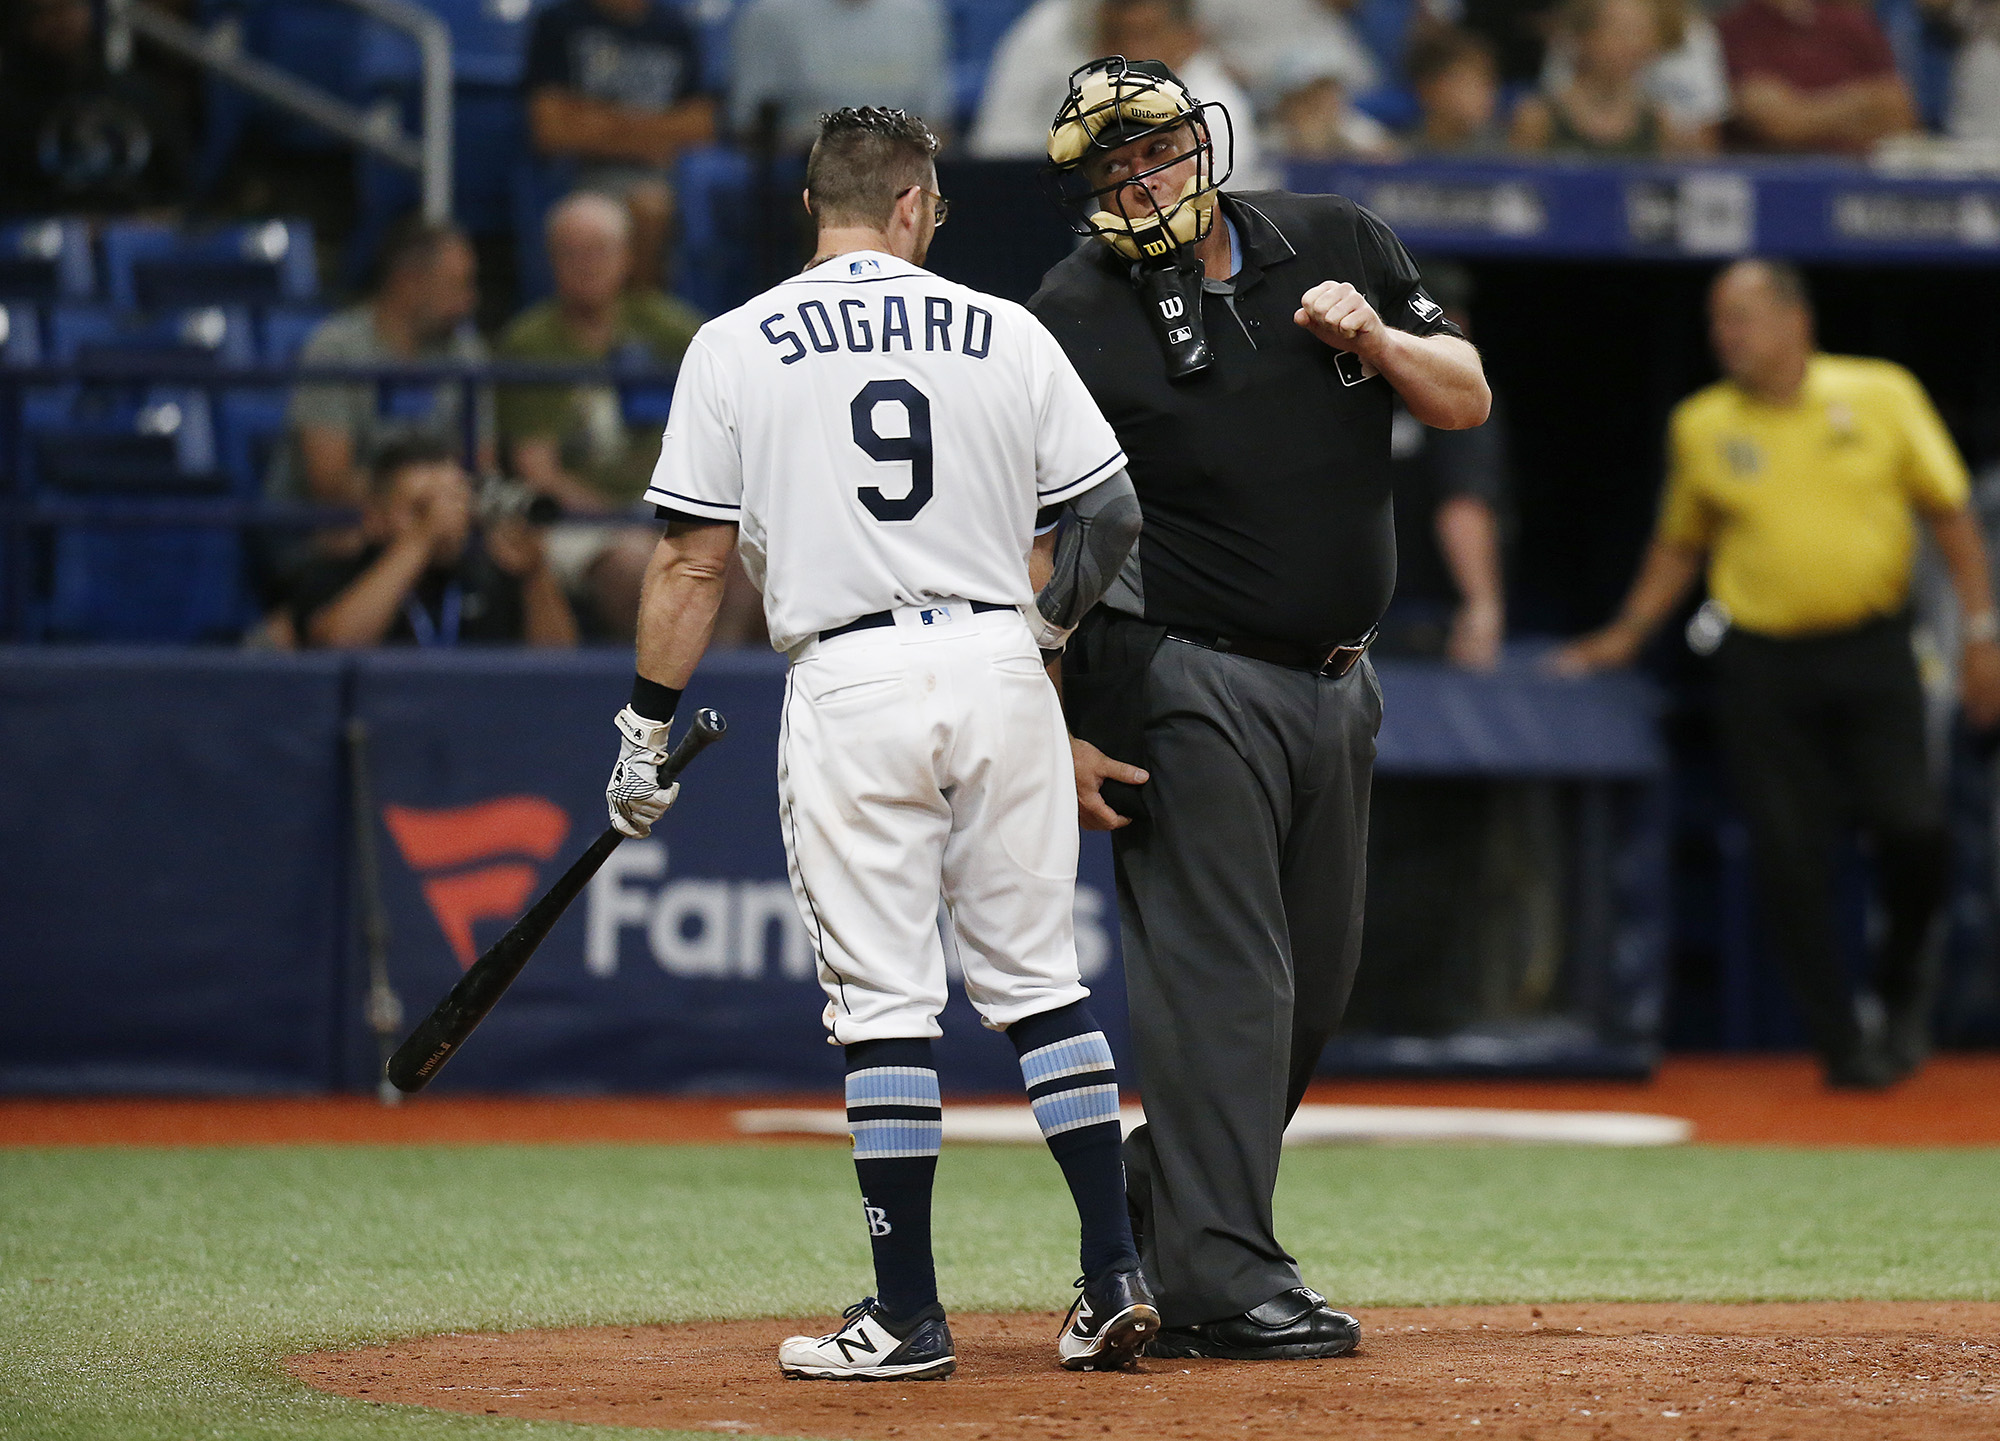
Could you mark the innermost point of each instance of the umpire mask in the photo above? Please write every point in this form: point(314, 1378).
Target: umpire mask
point(1123, 123)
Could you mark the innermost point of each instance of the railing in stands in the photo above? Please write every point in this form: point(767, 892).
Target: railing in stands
point(219, 49)
point(26, 510)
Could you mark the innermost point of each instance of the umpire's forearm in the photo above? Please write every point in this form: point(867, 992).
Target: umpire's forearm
point(1440, 378)
point(677, 609)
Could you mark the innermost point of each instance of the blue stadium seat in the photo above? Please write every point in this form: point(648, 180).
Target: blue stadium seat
point(537, 184)
point(152, 266)
point(168, 583)
point(220, 334)
point(285, 330)
point(46, 261)
point(159, 442)
point(488, 40)
point(976, 30)
point(715, 24)
point(249, 426)
point(20, 334)
point(713, 268)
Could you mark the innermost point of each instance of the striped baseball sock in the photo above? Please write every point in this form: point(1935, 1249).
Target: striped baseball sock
point(1073, 1086)
point(896, 1117)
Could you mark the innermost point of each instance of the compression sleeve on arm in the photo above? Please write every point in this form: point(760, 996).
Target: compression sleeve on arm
point(1104, 526)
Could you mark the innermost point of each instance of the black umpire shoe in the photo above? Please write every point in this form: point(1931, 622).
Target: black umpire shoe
point(1109, 1323)
point(1296, 1325)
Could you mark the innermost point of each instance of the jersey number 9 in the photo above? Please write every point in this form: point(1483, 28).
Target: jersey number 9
point(914, 447)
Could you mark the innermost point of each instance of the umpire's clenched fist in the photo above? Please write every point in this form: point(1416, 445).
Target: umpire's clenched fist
point(1341, 316)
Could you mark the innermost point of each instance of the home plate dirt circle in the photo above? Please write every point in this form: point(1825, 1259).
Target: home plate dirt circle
point(1859, 1371)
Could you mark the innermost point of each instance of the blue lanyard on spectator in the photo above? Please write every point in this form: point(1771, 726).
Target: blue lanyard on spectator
point(445, 630)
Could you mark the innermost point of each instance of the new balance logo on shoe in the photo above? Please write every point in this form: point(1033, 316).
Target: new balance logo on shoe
point(865, 1349)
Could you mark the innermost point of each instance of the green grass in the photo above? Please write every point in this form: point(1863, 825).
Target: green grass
point(151, 1294)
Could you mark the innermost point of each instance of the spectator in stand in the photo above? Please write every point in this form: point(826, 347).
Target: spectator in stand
point(429, 575)
point(808, 57)
point(1031, 69)
point(1604, 108)
point(571, 442)
point(1972, 106)
point(74, 135)
point(1269, 43)
point(422, 310)
point(1797, 482)
point(614, 86)
point(1813, 76)
point(1457, 86)
point(1688, 80)
point(1311, 118)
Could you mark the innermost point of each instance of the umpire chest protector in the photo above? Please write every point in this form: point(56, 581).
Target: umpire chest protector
point(1265, 479)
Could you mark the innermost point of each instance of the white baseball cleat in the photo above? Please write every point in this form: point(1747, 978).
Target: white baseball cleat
point(1109, 1323)
point(865, 1349)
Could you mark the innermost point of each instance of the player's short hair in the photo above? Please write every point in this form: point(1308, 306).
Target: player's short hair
point(863, 160)
point(399, 455)
point(1437, 52)
point(413, 243)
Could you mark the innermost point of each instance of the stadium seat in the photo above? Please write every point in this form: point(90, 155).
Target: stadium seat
point(715, 266)
point(151, 266)
point(284, 331)
point(45, 261)
point(249, 426)
point(20, 334)
point(166, 583)
point(218, 334)
point(714, 22)
point(976, 30)
point(488, 41)
point(158, 443)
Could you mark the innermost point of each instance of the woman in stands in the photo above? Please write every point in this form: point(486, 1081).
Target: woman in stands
point(1603, 106)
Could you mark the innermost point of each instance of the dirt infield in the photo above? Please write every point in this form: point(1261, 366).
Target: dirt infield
point(1855, 1372)
point(1731, 1100)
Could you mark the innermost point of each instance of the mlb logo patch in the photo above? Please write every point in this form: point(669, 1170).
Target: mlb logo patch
point(936, 616)
point(862, 267)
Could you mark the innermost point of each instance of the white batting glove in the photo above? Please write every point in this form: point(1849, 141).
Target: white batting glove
point(1048, 636)
point(635, 797)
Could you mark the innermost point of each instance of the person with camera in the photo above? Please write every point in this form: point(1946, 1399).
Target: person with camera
point(432, 571)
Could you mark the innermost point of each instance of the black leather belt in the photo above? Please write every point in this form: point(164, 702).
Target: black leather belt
point(888, 617)
point(1331, 662)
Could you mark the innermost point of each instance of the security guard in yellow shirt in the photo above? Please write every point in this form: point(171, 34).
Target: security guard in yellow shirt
point(1796, 480)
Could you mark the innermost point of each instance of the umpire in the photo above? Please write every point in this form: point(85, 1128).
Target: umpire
point(1794, 481)
point(1248, 350)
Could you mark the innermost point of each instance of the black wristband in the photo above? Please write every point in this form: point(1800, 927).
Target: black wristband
point(653, 701)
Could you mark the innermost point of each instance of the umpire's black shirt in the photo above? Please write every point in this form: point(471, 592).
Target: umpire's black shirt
point(1265, 481)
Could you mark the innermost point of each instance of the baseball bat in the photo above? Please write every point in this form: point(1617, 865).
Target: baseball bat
point(445, 1029)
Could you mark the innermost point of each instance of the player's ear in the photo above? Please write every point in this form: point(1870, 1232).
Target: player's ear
point(806, 199)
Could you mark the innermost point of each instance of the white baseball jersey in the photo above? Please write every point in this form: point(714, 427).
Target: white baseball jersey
point(883, 438)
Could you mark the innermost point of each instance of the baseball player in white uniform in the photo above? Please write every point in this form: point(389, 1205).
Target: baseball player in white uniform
point(888, 451)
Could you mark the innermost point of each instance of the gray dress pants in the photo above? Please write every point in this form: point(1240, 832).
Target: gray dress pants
point(1240, 889)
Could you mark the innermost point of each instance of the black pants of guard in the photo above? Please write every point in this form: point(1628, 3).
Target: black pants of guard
point(1821, 735)
point(1240, 889)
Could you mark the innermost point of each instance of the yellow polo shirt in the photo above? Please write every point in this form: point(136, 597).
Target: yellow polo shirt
point(1806, 509)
